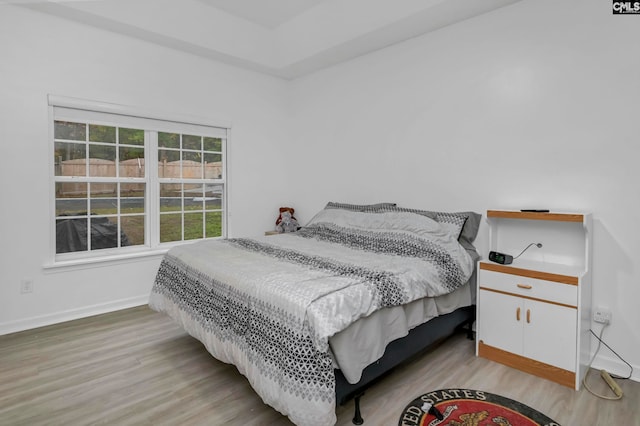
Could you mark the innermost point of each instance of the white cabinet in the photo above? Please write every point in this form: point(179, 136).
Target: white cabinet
point(534, 329)
point(534, 314)
point(547, 330)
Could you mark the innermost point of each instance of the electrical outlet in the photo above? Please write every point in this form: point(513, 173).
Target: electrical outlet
point(602, 315)
point(26, 286)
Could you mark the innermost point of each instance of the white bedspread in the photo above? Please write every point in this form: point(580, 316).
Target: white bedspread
point(269, 305)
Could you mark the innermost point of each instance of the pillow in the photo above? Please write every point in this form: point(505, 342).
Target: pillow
point(358, 207)
point(454, 222)
point(388, 221)
point(395, 208)
point(471, 226)
point(462, 224)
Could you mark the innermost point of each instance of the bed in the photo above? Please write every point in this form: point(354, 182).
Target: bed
point(312, 318)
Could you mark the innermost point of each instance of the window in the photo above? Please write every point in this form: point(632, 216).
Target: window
point(125, 183)
point(189, 171)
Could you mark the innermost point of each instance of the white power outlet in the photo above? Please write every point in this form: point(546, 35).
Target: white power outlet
point(602, 315)
point(26, 286)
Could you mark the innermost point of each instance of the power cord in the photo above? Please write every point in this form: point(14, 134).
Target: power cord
point(616, 354)
point(603, 373)
point(539, 245)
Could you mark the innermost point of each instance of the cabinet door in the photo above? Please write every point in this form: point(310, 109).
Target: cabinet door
point(499, 325)
point(550, 334)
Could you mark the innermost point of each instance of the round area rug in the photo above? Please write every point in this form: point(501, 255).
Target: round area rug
point(466, 407)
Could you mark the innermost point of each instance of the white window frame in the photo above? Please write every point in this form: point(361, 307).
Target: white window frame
point(152, 122)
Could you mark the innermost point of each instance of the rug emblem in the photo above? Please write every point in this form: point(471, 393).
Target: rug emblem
point(466, 407)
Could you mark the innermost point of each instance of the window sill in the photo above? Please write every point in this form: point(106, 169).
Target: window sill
point(101, 261)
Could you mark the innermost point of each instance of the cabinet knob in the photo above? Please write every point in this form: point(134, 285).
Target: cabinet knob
point(518, 314)
point(528, 316)
point(525, 286)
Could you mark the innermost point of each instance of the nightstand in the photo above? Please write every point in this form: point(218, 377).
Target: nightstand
point(534, 314)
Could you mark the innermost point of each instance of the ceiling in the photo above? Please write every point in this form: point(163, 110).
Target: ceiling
point(268, 13)
point(283, 38)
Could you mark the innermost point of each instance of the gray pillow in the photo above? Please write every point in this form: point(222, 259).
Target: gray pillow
point(371, 208)
point(464, 224)
point(471, 226)
point(395, 208)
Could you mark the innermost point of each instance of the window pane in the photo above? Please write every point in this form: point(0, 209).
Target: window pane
point(131, 136)
point(132, 201)
point(70, 131)
point(168, 140)
point(170, 227)
point(104, 232)
point(71, 199)
point(133, 229)
point(193, 197)
point(213, 197)
point(170, 197)
point(192, 142)
point(71, 235)
point(169, 163)
point(212, 166)
point(213, 224)
point(191, 165)
point(70, 159)
point(102, 152)
point(103, 198)
point(213, 144)
point(193, 226)
point(131, 162)
point(132, 198)
point(102, 160)
point(102, 133)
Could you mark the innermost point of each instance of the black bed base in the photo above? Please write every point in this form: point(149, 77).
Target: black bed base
point(402, 350)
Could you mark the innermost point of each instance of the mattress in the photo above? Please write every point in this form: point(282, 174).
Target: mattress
point(364, 341)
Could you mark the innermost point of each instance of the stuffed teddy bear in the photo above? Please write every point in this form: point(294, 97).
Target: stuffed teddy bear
point(286, 222)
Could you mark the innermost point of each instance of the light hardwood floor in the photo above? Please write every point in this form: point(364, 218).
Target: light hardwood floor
point(135, 367)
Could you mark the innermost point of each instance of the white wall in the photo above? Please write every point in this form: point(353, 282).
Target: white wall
point(41, 55)
point(533, 105)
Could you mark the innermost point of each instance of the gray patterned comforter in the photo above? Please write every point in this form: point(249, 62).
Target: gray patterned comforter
point(269, 305)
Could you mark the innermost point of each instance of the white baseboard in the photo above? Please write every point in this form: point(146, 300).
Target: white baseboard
point(615, 366)
point(72, 314)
